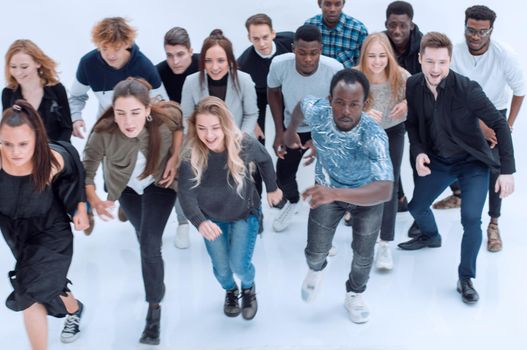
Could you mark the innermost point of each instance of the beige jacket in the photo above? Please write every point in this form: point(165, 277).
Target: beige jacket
point(119, 155)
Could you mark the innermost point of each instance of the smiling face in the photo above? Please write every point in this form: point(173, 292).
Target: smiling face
point(435, 63)
point(216, 62)
point(115, 56)
point(261, 36)
point(17, 145)
point(376, 58)
point(23, 68)
point(398, 29)
point(210, 131)
point(179, 58)
point(347, 102)
point(130, 115)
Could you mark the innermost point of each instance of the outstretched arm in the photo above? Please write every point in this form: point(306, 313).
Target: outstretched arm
point(368, 195)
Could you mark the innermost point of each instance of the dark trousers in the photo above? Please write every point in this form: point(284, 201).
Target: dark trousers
point(396, 144)
point(286, 170)
point(494, 198)
point(323, 221)
point(473, 177)
point(148, 213)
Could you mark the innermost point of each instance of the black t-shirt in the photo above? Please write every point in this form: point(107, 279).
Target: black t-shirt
point(174, 82)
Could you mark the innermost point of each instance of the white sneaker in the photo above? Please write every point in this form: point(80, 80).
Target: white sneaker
point(283, 219)
point(71, 330)
point(311, 285)
point(332, 251)
point(182, 241)
point(357, 309)
point(384, 259)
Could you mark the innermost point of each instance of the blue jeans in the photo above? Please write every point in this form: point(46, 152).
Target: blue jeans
point(232, 252)
point(473, 178)
point(321, 227)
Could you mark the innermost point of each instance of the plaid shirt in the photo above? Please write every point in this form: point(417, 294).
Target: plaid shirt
point(343, 42)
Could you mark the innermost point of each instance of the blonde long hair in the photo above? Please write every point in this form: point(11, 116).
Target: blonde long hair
point(393, 70)
point(197, 153)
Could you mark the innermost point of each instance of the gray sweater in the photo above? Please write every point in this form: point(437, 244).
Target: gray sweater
point(216, 197)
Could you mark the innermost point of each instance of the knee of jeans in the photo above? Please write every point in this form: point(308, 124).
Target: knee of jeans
point(362, 261)
point(316, 258)
point(416, 208)
point(150, 250)
point(240, 267)
point(471, 220)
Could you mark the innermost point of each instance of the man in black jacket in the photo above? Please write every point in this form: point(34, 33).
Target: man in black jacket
point(446, 142)
point(404, 35)
point(256, 59)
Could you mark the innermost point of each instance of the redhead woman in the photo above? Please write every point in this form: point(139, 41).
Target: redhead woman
point(31, 75)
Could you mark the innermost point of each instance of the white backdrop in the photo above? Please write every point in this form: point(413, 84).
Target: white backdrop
point(413, 307)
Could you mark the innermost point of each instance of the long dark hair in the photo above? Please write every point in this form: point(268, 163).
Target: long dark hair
point(163, 112)
point(216, 37)
point(20, 113)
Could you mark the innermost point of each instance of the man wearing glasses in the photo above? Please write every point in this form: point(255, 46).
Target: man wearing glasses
point(495, 67)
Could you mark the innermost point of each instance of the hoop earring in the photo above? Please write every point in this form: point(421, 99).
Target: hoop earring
point(149, 118)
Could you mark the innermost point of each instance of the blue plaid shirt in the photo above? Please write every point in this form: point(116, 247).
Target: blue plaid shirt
point(343, 42)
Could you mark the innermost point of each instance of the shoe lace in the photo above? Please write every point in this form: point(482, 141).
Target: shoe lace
point(248, 297)
point(72, 324)
point(231, 298)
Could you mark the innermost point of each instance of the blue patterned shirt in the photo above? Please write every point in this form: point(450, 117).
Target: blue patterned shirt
point(346, 159)
point(343, 42)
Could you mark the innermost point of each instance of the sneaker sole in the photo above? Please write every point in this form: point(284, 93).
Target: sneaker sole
point(69, 340)
point(356, 321)
point(149, 341)
point(466, 301)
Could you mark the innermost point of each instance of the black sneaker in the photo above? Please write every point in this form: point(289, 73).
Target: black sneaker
point(150, 334)
point(71, 330)
point(231, 308)
point(249, 303)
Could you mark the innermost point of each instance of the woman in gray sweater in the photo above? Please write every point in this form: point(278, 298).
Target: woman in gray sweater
point(219, 198)
point(137, 141)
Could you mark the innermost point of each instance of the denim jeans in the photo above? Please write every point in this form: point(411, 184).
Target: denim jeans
point(366, 223)
point(494, 198)
point(232, 252)
point(148, 213)
point(396, 143)
point(473, 178)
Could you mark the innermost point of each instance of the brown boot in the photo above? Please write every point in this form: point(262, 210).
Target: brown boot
point(449, 202)
point(494, 243)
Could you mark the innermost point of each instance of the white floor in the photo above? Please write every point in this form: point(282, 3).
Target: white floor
point(415, 306)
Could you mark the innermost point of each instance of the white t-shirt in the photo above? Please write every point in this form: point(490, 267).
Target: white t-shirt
point(134, 183)
point(498, 71)
point(295, 86)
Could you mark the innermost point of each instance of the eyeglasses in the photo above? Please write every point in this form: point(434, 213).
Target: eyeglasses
point(479, 32)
